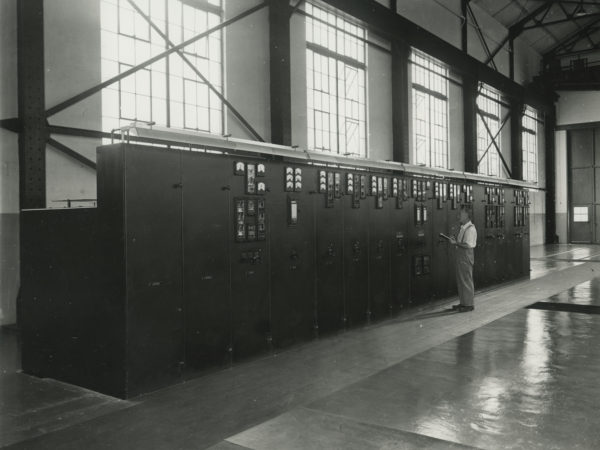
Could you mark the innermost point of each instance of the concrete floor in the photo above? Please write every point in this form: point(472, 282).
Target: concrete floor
point(503, 376)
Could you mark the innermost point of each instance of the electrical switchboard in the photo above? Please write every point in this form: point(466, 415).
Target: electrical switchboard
point(247, 254)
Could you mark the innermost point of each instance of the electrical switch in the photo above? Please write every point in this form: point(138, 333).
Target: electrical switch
point(239, 168)
point(250, 179)
point(292, 212)
point(349, 183)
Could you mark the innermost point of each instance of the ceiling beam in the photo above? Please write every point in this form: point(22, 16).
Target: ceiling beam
point(556, 22)
point(574, 37)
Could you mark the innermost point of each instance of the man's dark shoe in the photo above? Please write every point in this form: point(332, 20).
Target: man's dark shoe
point(463, 308)
point(455, 307)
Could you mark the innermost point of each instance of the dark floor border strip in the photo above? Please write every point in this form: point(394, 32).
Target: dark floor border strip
point(566, 260)
point(566, 307)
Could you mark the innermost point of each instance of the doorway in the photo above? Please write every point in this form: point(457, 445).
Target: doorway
point(584, 185)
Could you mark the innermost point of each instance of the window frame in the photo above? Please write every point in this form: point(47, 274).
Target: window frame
point(486, 97)
point(334, 63)
point(165, 105)
point(431, 96)
point(529, 148)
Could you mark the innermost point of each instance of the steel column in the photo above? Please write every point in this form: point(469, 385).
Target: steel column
point(280, 72)
point(470, 122)
point(464, 27)
point(511, 58)
point(516, 139)
point(33, 135)
point(550, 168)
point(400, 101)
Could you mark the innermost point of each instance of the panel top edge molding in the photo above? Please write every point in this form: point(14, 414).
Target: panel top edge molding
point(248, 148)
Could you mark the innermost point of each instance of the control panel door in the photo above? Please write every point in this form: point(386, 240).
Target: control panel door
point(155, 315)
point(207, 227)
point(329, 253)
point(380, 230)
point(291, 243)
point(400, 255)
point(248, 249)
point(420, 204)
point(440, 266)
point(480, 277)
point(356, 254)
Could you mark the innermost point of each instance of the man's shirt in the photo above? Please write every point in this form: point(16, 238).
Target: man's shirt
point(467, 235)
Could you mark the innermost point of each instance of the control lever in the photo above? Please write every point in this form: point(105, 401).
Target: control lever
point(294, 255)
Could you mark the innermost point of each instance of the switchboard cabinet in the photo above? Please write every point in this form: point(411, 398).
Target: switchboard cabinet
point(421, 230)
point(329, 257)
point(356, 254)
point(249, 260)
point(199, 259)
point(400, 267)
point(152, 234)
point(380, 231)
point(207, 229)
point(441, 264)
point(290, 237)
point(478, 217)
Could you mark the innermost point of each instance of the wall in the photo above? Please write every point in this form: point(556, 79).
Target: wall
point(9, 165)
point(247, 69)
point(72, 61)
point(537, 217)
point(444, 20)
point(577, 107)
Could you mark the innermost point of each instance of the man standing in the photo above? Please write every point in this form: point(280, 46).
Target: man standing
point(465, 242)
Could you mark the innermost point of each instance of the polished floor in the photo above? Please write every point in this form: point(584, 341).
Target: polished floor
point(519, 372)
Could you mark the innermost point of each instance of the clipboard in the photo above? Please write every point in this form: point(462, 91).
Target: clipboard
point(445, 237)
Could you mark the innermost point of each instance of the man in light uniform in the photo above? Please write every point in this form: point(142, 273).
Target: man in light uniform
point(465, 242)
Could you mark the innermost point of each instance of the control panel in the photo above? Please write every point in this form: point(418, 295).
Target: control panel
point(250, 219)
point(494, 210)
point(293, 179)
point(521, 208)
point(400, 191)
point(253, 172)
point(421, 265)
point(330, 184)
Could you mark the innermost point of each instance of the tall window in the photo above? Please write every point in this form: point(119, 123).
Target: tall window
point(488, 102)
point(529, 137)
point(168, 92)
point(429, 110)
point(336, 73)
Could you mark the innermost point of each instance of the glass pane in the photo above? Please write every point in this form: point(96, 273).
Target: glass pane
point(580, 214)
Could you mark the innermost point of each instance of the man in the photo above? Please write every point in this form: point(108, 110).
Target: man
point(465, 242)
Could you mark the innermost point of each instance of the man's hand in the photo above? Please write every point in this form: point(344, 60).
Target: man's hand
point(453, 241)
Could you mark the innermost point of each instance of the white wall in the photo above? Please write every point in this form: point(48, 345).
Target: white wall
point(444, 20)
point(247, 69)
point(577, 107)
